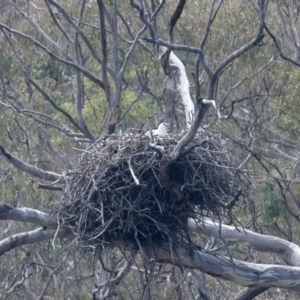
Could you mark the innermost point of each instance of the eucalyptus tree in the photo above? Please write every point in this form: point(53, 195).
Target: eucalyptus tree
point(73, 71)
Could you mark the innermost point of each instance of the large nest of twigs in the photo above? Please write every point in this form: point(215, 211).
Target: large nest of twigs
point(125, 188)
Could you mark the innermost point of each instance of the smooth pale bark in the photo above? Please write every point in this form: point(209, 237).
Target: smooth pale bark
point(184, 90)
point(25, 167)
point(290, 252)
point(33, 216)
point(27, 238)
point(243, 273)
point(49, 230)
point(183, 87)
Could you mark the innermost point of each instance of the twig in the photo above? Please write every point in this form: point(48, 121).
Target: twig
point(49, 187)
point(132, 173)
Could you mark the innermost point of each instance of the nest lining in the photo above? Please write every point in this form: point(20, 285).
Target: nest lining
point(118, 190)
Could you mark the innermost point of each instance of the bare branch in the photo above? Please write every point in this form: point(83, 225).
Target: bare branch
point(276, 43)
point(87, 73)
point(49, 187)
point(33, 216)
point(101, 9)
point(243, 273)
point(250, 293)
point(175, 17)
point(200, 285)
point(81, 33)
point(61, 127)
point(48, 230)
point(32, 21)
point(79, 81)
point(16, 285)
point(287, 38)
point(130, 51)
point(53, 273)
point(57, 22)
point(250, 44)
point(211, 19)
point(184, 48)
point(187, 138)
point(112, 282)
point(36, 172)
point(46, 96)
point(132, 173)
point(30, 237)
point(200, 57)
point(290, 252)
point(52, 150)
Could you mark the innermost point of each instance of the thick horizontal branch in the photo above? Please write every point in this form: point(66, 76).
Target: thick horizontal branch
point(290, 252)
point(33, 216)
point(243, 273)
point(36, 172)
point(30, 237)
point(48, 230)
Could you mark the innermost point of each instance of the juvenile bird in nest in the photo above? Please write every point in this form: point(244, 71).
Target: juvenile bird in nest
point(161, 131)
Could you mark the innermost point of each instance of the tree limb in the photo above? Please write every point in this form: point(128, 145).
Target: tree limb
point(290, 252)
point(49, 229)
point(283, 56)
point(176, 15)
point(292, 45)
point(33, 216)
point(250, 293)
point(87, 73)
point(243, 273)
point(30, 237)
point(183, 87)
point(36, 172)
point(187, 138)
point(80, 32)
point(80, 85)
point(250, 44)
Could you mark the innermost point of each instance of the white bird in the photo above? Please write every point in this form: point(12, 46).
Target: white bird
point(161, 131)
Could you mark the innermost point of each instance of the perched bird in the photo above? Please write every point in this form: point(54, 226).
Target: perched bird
point(161, 131)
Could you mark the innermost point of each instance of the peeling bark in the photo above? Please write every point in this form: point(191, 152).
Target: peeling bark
point(183, 87)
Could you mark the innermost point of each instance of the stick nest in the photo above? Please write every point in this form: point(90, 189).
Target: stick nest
point(125, 188)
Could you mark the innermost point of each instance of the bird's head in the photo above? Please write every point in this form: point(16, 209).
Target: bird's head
point(163, 129)
point(164, 125)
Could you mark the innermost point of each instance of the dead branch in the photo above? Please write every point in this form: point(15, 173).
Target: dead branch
point(36, 172)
